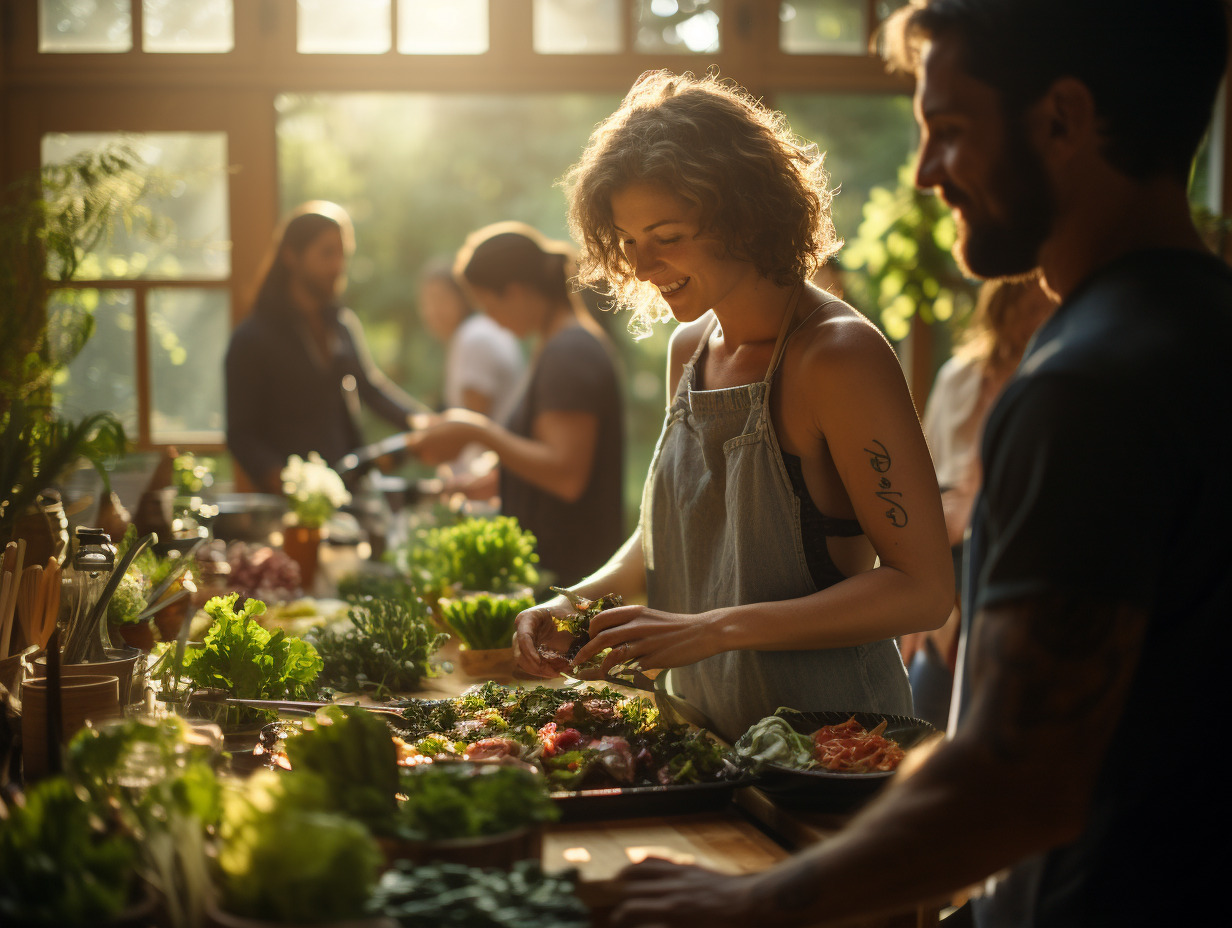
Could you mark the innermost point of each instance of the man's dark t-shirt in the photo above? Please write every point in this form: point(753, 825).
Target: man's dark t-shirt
point(1106, 467)
point(573, 373)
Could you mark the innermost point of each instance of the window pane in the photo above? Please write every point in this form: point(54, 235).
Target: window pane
point(102, 376)
point(188, 330)
point(187, 26)
point(187, 194)
point(85, 26)
point(577, 27)
point(429, 27)
point(356, 27)
point(677, 25)
point(823, 27)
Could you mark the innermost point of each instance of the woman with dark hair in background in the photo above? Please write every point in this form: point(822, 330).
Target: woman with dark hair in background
point(561, 448)
point(298, 366)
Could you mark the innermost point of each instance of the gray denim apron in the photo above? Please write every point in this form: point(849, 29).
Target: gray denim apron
point(721, 527)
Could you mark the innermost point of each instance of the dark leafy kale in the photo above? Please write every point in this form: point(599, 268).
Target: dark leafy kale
point(456, 896)
point(665, 753)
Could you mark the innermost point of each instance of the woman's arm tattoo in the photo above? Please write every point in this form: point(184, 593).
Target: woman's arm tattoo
point(879, 460)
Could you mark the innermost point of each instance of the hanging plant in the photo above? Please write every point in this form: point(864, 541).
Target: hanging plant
point(902, 256)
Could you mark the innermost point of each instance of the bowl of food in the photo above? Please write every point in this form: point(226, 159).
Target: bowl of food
point(829, 761)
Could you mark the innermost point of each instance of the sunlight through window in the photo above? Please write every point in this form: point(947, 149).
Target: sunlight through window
point(187, 26)
point(85, 26)
point(823, 27)
point(577, 27)
point(429, 27)
point(357, 27)
point(677, 26)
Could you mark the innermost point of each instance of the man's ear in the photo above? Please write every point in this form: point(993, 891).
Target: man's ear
point(1064, 120)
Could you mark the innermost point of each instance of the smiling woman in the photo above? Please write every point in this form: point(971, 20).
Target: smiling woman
point(791, 458)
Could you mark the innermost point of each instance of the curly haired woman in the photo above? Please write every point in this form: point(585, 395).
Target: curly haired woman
point(791, 524)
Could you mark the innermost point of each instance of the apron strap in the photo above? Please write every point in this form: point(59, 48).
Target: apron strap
point(780, 346)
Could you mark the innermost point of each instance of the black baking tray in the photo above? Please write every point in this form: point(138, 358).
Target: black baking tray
point(828, 790)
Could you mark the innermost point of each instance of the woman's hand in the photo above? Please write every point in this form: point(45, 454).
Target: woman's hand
point(652, 638)
point(438, 439)
point(535, 628)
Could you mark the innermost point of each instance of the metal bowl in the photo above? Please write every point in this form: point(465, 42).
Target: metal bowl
point(248, 517)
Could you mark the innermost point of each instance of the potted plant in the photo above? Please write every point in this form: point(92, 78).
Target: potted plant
point(64, 860)
point(48, 223)
point(314, 491)
point(483, 624)
point(284, 858)
point(478, 555)
point(243, 660)
point(386, 648)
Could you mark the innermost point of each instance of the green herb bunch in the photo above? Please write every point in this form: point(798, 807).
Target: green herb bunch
point(361, 585)
point(248, 661)
point(457, 896)
point(490, 555)
point(387, 648)
point(482, 621)
point(63, 861)
point(353, 752)
point(285, 857)
point(449, 799)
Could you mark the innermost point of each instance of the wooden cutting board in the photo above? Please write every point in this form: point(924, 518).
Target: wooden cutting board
point(723, 841)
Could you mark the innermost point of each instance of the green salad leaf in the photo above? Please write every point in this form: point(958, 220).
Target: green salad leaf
point(246, 660)
point(482, 620)
point(352, 752)
point(457, 800)
point(283, 857)
point(63, 861)
point(774, 741)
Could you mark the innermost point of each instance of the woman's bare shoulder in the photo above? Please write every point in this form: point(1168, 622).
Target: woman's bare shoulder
point(837, 333)
point(685, 339)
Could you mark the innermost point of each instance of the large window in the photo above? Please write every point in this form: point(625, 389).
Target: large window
point(159, 300)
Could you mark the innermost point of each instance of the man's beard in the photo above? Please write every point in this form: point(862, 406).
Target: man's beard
point(1010, 246)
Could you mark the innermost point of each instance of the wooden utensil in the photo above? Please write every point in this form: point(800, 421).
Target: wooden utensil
point(51, 600)
point(30, 602)
point(14, 554)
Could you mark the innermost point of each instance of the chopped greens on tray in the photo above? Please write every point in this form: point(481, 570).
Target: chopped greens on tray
point(580, 737)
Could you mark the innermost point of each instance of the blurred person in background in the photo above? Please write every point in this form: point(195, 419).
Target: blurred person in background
point(483, 361)
point(298, 366)
point(561, 447)
point(1006, 315)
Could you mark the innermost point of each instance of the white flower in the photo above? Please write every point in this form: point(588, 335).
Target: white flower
point(314, 489)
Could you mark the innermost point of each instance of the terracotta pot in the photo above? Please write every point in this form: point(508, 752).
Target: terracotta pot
point(496, 851)
point(303, 545)
point(487, 663)
point(169, 619)
point(44, 526)
point(13, 669)
point(83, 698)
point(139, 635)
point(122, 664)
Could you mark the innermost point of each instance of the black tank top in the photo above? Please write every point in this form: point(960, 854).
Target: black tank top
point(816, 527)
